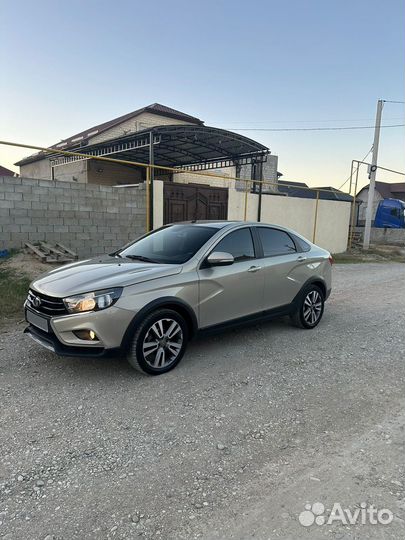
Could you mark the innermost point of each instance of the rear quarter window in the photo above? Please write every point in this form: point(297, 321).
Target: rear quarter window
point(301, 244)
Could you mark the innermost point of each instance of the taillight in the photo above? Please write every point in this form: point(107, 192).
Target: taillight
point(331, 259)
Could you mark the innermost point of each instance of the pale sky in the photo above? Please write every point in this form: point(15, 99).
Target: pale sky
point(67, 66)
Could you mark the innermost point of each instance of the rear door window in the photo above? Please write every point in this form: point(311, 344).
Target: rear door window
point(275, 242)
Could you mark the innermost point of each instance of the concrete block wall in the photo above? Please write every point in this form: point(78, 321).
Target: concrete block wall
point(385, 236)
point(90, 219)
point(245, 172)
point(269, 173)
point(190, 178)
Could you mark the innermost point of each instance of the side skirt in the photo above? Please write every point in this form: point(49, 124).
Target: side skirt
point(261, 316)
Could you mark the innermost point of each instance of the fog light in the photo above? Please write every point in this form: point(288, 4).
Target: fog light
point(88, 335)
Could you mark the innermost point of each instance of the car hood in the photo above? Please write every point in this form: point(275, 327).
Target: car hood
point(99, 273)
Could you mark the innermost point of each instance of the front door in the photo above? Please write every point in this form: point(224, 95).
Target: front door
point(234, 291)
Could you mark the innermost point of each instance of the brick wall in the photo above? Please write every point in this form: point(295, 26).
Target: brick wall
point(90, 219)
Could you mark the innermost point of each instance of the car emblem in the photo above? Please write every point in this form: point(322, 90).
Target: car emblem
point(36, 301)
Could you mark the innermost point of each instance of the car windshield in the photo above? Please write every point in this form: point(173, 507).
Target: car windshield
point(175, 244)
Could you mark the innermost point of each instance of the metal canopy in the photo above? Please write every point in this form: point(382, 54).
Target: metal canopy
point(192, 147)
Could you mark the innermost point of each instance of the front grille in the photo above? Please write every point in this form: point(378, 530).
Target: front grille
point(48, 305)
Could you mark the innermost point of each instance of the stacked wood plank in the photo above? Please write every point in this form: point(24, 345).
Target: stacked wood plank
point(51, 254)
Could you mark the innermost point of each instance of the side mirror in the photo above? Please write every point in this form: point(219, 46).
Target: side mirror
point(220, 258)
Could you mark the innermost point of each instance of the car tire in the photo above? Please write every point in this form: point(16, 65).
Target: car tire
point(310, 308)
point(159, 342)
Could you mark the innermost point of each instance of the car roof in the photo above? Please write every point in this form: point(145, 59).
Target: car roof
point(207, 223)
point(220, 224)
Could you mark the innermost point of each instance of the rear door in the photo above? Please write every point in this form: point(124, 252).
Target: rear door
point(284, 267)
point(234, 291)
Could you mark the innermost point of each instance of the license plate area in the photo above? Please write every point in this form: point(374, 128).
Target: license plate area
point(36, 320)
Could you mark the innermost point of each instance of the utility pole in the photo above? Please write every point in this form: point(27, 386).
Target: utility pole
point(151, 177)
point(372, 175)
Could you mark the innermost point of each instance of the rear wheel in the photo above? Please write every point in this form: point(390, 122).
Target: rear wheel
point(310, 309)
point(159, 342)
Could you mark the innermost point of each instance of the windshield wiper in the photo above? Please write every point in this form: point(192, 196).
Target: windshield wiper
point(115, 254)
point(140, 258)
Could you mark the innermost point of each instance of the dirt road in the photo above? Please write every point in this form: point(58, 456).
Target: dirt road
point(251, 426)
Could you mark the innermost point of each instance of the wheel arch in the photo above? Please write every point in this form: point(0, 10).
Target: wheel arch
point(315, 280)
point(168, 302)
point(321, 284)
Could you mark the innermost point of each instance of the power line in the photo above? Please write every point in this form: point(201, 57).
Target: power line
point(388, 101)
point(317, 128)
point(357, 168)
point(392, 118)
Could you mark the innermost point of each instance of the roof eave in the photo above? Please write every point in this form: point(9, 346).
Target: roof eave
point(149, 108)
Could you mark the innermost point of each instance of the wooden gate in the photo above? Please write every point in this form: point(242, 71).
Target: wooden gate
point(187, 202)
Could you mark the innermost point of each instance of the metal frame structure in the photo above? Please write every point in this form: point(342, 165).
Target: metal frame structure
point(105, 150)
point(181, 147)
point(151, 168)
point(190, 147)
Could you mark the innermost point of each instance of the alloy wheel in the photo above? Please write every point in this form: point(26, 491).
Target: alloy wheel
point(312, 309)
point(162, 343)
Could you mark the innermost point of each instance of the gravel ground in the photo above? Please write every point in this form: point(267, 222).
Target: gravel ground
point(251, 426)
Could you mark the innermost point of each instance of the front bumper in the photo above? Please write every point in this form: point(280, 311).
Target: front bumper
point(51, 342)
point(109, 326)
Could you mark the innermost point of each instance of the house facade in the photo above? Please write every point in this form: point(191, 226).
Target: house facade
point(383, 190)
point(89, 171)
point(6, 172)
point(229, 162)
point(198, 172)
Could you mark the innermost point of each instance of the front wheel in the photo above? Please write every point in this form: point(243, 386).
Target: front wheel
point(159, 342)
point(310, 308)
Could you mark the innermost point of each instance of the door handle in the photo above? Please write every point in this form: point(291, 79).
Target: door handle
point(254, 268)
point(301, 258)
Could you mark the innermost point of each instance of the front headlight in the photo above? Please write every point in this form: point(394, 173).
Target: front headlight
point(92, 301)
